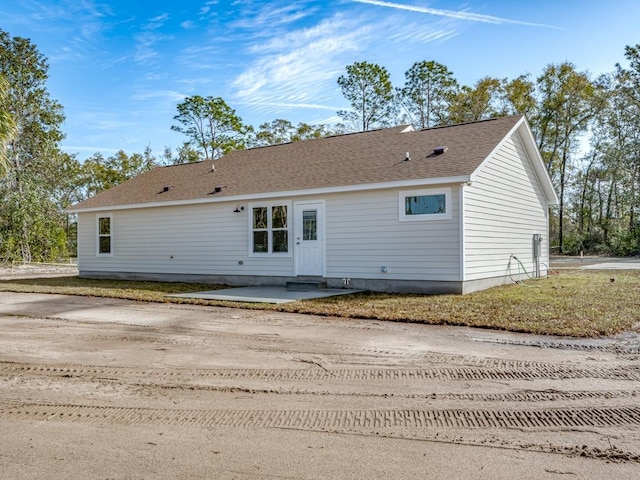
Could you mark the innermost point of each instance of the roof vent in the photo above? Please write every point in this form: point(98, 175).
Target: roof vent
point(218, 189)
point(166, 188)
point(440, 150)
point(407, 157)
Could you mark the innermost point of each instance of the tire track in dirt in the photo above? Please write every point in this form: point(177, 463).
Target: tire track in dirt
point(623, 351)
point(330, 419)
point(543, 371)
point(517, 397)
point(630, 350)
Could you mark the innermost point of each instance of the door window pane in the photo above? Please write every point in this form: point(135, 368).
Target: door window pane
point(309, 225)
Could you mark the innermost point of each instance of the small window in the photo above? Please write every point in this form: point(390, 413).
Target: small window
point(428, 204)
point(270, 229)
point(425, 204)
point(104, 235)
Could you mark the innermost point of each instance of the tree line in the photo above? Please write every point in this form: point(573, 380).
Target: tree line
point(587, 130)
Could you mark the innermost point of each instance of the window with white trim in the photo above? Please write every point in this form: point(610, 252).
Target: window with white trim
point(425, 204)
point(270, 229)
point(105, 231)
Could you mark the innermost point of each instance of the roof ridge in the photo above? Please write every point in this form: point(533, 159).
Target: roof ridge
point(184, 164)
point(337, 135)
point(471, 122)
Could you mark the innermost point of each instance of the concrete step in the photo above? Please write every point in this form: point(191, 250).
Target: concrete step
point(306, 285)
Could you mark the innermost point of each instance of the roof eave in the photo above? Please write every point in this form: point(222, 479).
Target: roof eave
point(426, 182)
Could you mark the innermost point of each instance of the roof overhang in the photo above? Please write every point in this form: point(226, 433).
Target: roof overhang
point(426, 182)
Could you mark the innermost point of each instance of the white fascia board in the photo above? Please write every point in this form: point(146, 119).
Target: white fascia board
point(538, 164)
point(290, 193)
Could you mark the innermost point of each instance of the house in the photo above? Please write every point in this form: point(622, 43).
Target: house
point(451, 209)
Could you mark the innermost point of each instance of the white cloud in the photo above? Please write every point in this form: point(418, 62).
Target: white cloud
point(312, 106)
point(145, 41)
point(271, 16)
point(299, 67)
point(206, 8)
point(459, 15)
point(170, 95)
point(419, 32)
point(156, 22)
point(87, 149)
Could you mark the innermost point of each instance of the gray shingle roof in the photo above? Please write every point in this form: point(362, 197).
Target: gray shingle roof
point(372, 157)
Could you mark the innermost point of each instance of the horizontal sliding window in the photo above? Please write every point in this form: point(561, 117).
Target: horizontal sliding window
point(427, 204)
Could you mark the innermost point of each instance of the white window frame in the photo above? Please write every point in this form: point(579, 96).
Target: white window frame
point(425, 217)
point(269, 206)
point(98, 235)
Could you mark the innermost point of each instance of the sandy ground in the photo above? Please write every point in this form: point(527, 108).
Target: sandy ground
point(110, 389)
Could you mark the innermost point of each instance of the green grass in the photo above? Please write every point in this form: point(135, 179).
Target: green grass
point(575, 303)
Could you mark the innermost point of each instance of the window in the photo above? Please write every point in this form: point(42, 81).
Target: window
point(270, 229)
point(309, 225)
point(424, 204)
point(104, 235)
point(427, 204)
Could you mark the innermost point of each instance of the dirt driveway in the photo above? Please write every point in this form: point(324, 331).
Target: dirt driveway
point(109, 389)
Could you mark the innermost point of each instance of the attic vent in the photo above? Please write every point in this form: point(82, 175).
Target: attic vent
point(218, 189)
point(440, 150)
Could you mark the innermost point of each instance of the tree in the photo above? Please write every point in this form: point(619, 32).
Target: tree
point(475, 103)
point(99, 173)
point(569, 100)
point(30, 220)
point(283, 131)
point(517, 96)
point(211, 125)
point(367, 87)
point(427, 92)
point(184, 154)
point(8, 129)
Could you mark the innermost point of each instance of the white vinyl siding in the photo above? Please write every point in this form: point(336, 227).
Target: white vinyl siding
point(503, 208)
point(205, 239)
point(364, 234)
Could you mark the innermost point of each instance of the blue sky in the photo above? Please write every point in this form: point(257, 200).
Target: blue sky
point(119, 67)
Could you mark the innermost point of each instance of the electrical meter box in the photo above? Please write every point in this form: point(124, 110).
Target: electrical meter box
point(537, 245)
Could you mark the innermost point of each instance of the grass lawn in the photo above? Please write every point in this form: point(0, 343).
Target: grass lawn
point(578, 303)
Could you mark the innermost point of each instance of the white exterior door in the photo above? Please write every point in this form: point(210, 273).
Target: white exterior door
point(309, 238)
